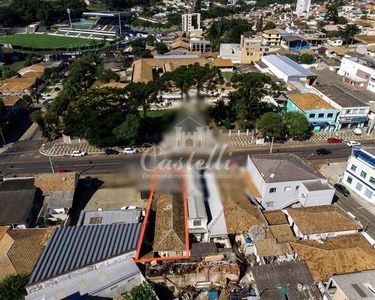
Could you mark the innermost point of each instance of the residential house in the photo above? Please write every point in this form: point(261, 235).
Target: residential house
point(336, 256)
point(359, 175)
point(358, 285)
point(287, 280)
point(288, 70)
point(170, 226)
point(224, 65)
point(58, 191)
point(321, 115)
point(358, 71)
point(334, 42)
point(353, 112)
point(282, 180)
point(321, 222)
point(232, 52)
point(102, 268)
point(20, 202)
point(271, 37)
point(20, 249)
point(251, 46)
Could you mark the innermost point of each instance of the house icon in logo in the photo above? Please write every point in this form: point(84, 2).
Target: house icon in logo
point(189, 134)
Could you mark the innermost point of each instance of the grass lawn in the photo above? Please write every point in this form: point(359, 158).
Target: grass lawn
point(17, 64)
point(97, 6)
point(227, 76)
point(43, 41)
point(159, 113)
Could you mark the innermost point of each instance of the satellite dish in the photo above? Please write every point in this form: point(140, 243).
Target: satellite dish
point(257, 233)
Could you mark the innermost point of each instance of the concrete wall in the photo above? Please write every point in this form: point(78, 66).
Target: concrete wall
point(314, 198)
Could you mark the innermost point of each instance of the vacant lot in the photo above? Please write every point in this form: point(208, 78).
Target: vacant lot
point(43, 41)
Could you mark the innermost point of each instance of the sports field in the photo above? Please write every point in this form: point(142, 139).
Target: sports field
point(44, 41)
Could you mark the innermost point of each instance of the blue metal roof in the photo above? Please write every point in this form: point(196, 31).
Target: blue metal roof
point(73, 247)
point(287, 66)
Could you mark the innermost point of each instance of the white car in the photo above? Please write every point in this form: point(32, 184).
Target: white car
point(357, 131)
point(77, 153)
point(129, 150)
point(353, 143)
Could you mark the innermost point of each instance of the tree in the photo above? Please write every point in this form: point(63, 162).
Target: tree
point(12, 287)
point(295, 123)
point(161, 48)
point(6, 72)
point(143, 291)
point(349, 33)
point(129, 130)
point(142, 95)
point(293, 57)
point(105, 75)
point(270, 124)
point(269, 25)
point(306, 59)
point(30, 60)
point(332, 14)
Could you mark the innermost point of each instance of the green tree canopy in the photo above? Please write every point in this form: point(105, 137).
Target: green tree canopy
point(295, 123)
point(144, 291)
point(129, 130)
point(269, 25)
point(306, 58)
point(270, 124)
point(161, 48)
point(349, 33)
point(12, 287)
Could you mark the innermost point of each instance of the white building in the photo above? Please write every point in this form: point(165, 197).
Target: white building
point(321, 222)
point(358, 69)
point(191, 22)
point(303, 7)
point(288, 70)
point(283, 180)
point(359, 175)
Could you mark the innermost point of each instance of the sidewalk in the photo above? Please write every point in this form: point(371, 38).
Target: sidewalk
point(334, 172)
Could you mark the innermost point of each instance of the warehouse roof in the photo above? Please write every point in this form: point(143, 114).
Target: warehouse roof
point(286, 65)
point(341, 97)
point(70, 248)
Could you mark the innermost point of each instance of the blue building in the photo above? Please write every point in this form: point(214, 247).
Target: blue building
point(321, 115)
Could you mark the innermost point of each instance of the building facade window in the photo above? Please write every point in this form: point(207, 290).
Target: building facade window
point(353, 168)
point(297, 187)
point(330, 115)
point(349, 180)
point(287, 188)
point(372, 180)
point(197, 223)
point(272, 190)
point(368, 193)
point(363, 174)
point(359, 186)
point(321, 116)
point(311, 115)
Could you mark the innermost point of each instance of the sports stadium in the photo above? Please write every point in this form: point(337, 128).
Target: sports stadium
point(95, 29)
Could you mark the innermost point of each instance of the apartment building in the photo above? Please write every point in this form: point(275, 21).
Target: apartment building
point(191, 22)
point(303, 7)
point(359, 175)
point(358, 71)
point(271, 37)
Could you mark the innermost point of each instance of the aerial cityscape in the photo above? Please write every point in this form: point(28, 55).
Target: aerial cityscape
point(192, 150)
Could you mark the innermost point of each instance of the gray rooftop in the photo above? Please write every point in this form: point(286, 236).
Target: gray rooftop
point(286, 65)
point(316, 186)
point(357, 285)
point(284, 167)
point(70, 248)
point(340, 96)
point(196, 206)
point(128, 216)
point(270, 278)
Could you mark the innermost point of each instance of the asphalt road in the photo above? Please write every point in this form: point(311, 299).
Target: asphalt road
point(24, 159)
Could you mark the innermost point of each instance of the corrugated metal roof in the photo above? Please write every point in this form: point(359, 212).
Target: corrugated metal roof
point(288, 66)
point(73, 247)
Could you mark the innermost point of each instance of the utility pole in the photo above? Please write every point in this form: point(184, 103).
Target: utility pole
point(119, 22)
point(50, 161)
point(70, 20)
point(271, 144)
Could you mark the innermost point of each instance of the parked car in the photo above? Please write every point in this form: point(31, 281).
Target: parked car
point(77, 153)
point(357, 131)
point(129, 150)
point(109, 151)
point(353, 143)
point(323, 151)
point(334, 140)
point(342, 189)
point(88, 182)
